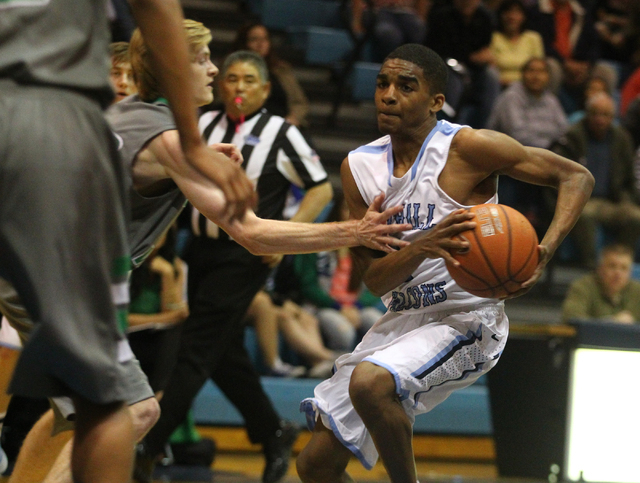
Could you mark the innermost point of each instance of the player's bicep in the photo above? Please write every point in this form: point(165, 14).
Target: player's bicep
point(168, 151)
point(147, 167)
point(500, 154)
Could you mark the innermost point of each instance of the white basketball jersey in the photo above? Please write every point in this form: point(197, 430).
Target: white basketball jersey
point(430, 288)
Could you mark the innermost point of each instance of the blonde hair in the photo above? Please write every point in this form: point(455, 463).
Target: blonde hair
point(198, 36)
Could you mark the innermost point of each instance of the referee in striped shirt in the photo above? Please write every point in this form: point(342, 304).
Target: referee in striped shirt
point(224, 277)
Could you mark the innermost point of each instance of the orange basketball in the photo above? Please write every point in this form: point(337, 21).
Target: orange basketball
point(502, 255)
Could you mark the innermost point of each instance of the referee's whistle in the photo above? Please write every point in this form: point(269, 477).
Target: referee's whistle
point(238, 103)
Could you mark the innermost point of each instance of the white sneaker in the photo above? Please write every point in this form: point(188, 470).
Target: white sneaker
point(284, 369)
point(4, 461)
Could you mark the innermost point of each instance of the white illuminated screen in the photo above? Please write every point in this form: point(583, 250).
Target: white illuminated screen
point(603, 443)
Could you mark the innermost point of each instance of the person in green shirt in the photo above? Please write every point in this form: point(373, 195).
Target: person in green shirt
point(608, 293)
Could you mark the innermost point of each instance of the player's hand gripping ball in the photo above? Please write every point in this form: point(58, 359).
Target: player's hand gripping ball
point(503, 252)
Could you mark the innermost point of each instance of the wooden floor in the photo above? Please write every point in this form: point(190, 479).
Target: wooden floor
point(439, 459)
point(247, 468)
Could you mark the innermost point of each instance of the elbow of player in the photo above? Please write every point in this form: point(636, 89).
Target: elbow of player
point(251, 241)
point(590, 182)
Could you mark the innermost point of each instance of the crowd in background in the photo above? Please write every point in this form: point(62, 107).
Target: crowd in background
point(555, 74)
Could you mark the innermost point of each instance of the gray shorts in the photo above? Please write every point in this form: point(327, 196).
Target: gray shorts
point(63, 243)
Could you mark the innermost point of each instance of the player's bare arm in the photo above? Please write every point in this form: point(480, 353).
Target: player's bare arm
point(161, 25)
point(488, 153)
point(270, 236)
point(311, 205)
point(383, 274)
point(265, 237)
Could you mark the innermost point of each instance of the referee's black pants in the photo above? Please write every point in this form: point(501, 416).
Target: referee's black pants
point(223, 280)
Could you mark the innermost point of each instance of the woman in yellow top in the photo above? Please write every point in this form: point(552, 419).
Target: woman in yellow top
point(511, 45)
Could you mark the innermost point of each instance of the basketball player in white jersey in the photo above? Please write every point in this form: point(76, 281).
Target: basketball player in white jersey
point(435, 337)
point(153, 156)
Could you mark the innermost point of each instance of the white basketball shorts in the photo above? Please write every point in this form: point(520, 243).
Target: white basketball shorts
point(429, 355)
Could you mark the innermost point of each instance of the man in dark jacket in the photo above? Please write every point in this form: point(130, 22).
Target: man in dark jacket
point(607, 151)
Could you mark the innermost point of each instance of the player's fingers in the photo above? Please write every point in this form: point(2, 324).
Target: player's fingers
point(543, 255)
point(376, 204)
point(453, 230)
point(392, 211)
point(390, 229)
point(391, 241)
point(459, 243)
point(457, 216)
point(384, 248)
point(448, 258)
point(537, 273)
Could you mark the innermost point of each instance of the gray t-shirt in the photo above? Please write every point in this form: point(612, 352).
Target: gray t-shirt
point(135, 124)
point(61, 43)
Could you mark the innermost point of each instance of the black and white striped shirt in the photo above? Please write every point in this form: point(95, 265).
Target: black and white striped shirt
point(275, 154)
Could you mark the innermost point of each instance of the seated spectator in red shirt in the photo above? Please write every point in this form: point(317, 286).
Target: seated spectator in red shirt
point(572, 44)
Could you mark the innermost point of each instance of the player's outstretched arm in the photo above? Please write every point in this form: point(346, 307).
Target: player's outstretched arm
point(160, 22)
point(263, 237)
point(266, 237)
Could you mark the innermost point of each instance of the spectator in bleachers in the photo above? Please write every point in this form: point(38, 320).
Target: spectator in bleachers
point(574, 77)
point(531, 114)
point(595, 85)
point(527, 111)
point(606, 149)
point(462, 31)
point(287, 98)
point(608, 293)
point(567, 31)
point(395, 22)
point(511, 45)
point(615, 29)
point(300, 330)
point(573, 47)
